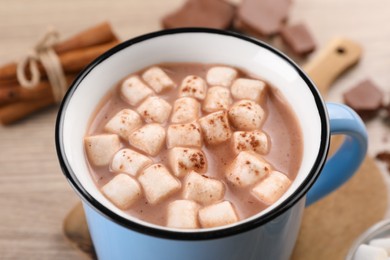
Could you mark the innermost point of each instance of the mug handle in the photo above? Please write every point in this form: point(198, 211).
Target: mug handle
point(347, 159)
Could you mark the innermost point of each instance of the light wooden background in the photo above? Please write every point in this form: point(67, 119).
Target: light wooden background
point(34, 195)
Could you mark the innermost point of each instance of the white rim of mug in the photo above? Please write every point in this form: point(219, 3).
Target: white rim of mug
point(188, 235)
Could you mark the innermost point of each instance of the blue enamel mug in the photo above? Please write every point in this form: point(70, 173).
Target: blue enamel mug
point(272, 233)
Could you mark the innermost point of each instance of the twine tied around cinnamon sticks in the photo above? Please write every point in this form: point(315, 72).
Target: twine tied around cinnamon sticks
point(44, 53)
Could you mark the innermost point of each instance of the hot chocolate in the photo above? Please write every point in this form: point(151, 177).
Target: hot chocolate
point(189, 145)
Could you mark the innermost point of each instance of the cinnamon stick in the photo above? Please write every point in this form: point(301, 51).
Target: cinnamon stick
point(15, 111)
point(8, 82)
point(14, 94)
point(71, 62)
point(19, 93)
point(8, 74)
point(98, 35)
point(18, 110)
point(74, 61)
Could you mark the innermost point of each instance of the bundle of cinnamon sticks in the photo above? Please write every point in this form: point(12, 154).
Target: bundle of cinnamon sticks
point(17, 102)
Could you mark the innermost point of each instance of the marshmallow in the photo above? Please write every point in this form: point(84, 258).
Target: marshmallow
point(124, 123)
point(149, 138)
point(202, 189)
point(155, 109)
point(183, 214)
point(246, 115)
point(248, 89)
point(184, 135)
point(215, 127)
point(133, 90)
point(157, 79)
point(256, 141)
point(381, 242)
point(247, 168)
point(193, 86)
point(185, 110)
point(218, 98)
point(122, 190)
point(272, 187)
point(183, 160)
point(365, 252)
point(216, 215)
point(221, 76)
point(101, 148)
point(158, 183)
point(129, 161)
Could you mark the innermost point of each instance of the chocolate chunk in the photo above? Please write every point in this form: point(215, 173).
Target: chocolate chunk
point(387, 113)
point(384, 157)
point(262, 17)
point(298, 38)
point(201, 13)
point(365, 98)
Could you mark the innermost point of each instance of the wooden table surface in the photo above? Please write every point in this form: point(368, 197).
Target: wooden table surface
point(34, 195)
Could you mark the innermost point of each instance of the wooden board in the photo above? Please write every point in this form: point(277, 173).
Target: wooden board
point(330, 226)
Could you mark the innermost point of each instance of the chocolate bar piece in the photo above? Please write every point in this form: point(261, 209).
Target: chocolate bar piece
point(298, 38)
point(386, 114)
point(387, 109)
point(201, 13)
point(384, 157)
point(262, 17)
point(365, 98)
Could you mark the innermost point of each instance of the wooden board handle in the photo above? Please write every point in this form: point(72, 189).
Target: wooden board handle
point(339, 55)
